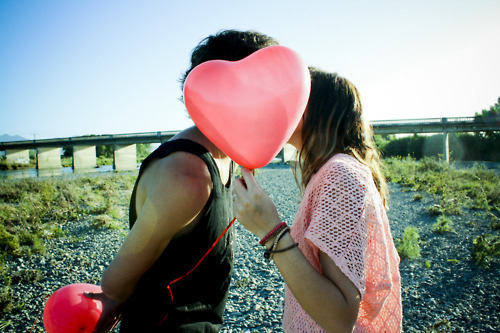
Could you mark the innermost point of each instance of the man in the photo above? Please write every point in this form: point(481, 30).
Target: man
point(180, 205)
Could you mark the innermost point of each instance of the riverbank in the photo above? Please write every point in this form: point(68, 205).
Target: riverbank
point(443, 285)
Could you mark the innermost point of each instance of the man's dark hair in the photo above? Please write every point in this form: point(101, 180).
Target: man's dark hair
point(231, 45)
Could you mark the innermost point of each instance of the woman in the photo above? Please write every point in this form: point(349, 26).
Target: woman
point(338, 260)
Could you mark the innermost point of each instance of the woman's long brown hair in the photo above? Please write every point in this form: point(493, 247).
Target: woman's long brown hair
point(332, 124)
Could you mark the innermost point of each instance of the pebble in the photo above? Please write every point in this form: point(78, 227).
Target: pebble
point(462, 293)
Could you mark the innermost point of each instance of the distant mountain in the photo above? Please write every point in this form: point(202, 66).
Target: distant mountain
point(7, 138)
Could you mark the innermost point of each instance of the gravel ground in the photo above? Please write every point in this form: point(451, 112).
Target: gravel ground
point(453, 288)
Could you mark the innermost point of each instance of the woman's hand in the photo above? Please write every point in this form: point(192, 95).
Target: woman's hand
point(110, 316)
point(252, 207)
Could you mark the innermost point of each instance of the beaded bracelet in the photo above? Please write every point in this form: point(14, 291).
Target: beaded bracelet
point(276, 229)
point(278, 237)
point(271, 250)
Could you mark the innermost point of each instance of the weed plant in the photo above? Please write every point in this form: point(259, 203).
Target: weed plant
point(476, 188)
point(101, 160)
point(456, 189)
point(4, 324)
point(442, 326)
point(6, 299)
point(6, 165)
point(486, 249)
point(67, 162)
point(105, 221)
point(34, 209)
point(409, 245)
point(418, 197)
point(494, 221)
point(442, 225)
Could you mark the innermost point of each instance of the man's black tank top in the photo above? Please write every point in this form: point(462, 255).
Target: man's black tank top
point(198, 299)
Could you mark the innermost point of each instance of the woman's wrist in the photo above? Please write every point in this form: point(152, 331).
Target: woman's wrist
point(282, 243)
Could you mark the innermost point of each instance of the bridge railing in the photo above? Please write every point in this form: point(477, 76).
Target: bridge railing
point(425, 121)
point(436, 125)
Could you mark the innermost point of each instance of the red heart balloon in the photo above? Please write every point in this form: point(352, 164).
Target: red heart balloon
point(249, 108)
point(68, 311)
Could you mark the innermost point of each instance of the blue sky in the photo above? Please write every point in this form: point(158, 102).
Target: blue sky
point(71, 68)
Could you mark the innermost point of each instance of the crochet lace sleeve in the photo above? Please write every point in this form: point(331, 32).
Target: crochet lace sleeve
point(338, 224)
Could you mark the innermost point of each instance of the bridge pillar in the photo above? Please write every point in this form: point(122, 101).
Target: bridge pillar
point(289, 153)
point(125, 157)
point(446, 146)
point(18, 155)
point(84, 157)
point(446, 141)
point(48, 158)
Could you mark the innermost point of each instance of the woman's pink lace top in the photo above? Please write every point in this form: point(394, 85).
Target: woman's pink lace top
point(342, 215)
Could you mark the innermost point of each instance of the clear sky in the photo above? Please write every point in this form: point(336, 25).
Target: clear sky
point(70, 68)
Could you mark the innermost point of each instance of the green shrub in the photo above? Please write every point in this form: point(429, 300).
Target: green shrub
point(442, 326)
point(9, 242)
point(31, 242)
point(27, 276)
point(12, 191)
point(435, 210)
point(115, 212)
point(5, 165)
point(105, 221)
point(485, 249)
point(429, 164)
point(52, 231)
point(494, 222)
point(6, 299)
point(443, 224)
point(104, 161)
point(4, 324)
point(476, 187)
point(67, 162)
point(418, 197)
point(409, 246)
point(3, 266)
point(34, 209)
point(242, 283)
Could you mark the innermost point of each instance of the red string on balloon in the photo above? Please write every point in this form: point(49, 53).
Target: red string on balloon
point(195, 266)
point(202, 258)
point(36, 319)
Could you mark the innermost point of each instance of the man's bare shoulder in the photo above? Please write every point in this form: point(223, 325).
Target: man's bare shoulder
point(184, 167)
point(181, 172)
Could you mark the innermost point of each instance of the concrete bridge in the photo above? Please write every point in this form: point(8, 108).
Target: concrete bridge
point(437, 125)
point(48, 151)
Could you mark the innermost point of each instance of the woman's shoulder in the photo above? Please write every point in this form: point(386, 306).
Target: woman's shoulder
point(341, 171)
point(344, 165)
